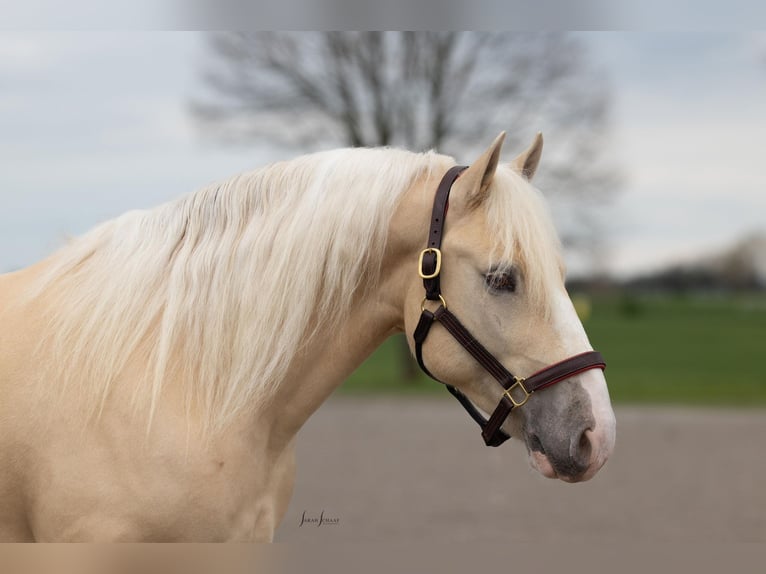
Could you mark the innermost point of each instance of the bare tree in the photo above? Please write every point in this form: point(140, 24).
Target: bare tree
point(450, 91)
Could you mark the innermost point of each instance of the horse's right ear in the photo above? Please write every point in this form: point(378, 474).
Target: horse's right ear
point(526, 162)
point(473, 184)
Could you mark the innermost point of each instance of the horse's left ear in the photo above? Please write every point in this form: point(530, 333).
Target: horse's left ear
point(475, 181)
point(526, 162)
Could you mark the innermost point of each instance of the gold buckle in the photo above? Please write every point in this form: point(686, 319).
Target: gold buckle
point(438, 263)
point(520, 384)
point(423, 303)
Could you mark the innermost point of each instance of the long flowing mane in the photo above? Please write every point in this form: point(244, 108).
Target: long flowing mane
point(221, 286)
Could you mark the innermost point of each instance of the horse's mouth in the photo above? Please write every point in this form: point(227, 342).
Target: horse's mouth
point(537, 457)
point(541, 464)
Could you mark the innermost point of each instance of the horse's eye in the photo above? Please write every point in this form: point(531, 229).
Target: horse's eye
point(504, 281)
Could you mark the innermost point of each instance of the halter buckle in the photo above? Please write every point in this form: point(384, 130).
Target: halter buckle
point(520, 385)
point(423, 303)
point(438, 269)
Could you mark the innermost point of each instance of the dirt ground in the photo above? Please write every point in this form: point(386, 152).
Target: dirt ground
point(404, 469)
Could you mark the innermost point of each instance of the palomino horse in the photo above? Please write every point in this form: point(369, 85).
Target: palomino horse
point(154, 372)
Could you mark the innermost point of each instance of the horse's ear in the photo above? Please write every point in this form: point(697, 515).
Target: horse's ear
point(526, 162)
point(474, 182)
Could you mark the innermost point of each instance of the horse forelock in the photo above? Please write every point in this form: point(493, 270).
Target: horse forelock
point(523, 234)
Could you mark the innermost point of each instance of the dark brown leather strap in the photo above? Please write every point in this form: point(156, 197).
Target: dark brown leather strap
point(436, 231)
point(565, 369)
point(541, 379)
point(419, 335)
point(476, 415)
point(472, 345)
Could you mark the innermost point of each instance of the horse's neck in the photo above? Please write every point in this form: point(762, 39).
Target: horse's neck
point(328, 359)
point(333, 354)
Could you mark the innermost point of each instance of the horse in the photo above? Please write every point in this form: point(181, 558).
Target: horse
point(155, 371)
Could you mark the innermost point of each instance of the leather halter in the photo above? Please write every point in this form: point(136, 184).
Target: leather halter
point(516, 390)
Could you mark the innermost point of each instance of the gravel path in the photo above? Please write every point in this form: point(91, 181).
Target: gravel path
point(415, 469)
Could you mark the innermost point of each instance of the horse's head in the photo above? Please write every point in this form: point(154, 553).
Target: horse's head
point(502, 276)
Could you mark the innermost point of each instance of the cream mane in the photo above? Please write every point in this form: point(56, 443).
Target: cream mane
point(222, 286)
point(521, 225)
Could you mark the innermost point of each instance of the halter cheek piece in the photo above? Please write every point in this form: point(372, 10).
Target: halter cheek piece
point(516, 390)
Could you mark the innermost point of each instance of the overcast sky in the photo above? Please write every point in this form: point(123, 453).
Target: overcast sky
point(94, 124)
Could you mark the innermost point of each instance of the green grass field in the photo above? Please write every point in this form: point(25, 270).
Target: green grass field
point(660, 350)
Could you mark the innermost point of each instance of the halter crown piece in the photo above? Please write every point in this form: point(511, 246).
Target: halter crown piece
point(516, 390)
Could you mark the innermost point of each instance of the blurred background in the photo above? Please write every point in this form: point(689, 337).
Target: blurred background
point(653, 166)
point(653, 160)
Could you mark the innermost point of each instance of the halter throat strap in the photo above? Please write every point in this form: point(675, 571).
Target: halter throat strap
point(516, 390)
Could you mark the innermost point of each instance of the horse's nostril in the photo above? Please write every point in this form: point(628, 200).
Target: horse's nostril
point(583, 449)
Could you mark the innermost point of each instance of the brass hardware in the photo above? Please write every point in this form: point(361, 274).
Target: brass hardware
point(423, 303)
point(520, 384)
point(438, 254)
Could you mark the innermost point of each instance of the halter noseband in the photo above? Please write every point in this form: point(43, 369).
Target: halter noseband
point(516, 390)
